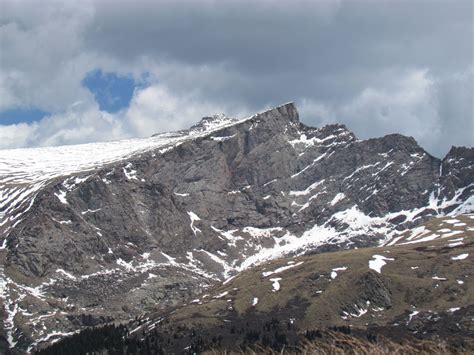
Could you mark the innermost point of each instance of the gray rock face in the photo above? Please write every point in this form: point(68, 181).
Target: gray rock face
point(161, 225)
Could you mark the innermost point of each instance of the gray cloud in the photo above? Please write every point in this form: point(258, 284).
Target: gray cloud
point(378, 66)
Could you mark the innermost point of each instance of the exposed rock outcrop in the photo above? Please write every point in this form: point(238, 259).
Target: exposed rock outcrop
point(117, 235)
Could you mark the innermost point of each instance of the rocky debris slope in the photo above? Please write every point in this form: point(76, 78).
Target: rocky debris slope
point(423, 289)
point(110, 230)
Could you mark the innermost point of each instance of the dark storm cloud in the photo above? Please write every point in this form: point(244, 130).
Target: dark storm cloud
point(268, 36)
point(329, 52)
point(378, 66)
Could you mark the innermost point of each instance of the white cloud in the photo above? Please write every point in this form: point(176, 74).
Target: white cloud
point(152, 110)
point(72, 127)
point(156, 109)
point(409, 106)
point(455, 95)
point(43, 61)
point(204, 57)
point(18, 135)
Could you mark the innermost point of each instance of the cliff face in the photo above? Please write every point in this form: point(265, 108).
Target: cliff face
point(110, 230)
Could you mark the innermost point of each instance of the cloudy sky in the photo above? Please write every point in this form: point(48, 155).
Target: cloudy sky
point(83, 71)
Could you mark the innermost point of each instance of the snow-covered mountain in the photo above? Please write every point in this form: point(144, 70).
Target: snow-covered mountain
point(104, 231)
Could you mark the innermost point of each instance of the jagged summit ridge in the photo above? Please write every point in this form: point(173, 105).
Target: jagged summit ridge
point(287, 111)
point(209, 122)
point(23, 172)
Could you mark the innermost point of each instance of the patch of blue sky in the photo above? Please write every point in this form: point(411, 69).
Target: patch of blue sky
point(21, 115)
point(112, 91)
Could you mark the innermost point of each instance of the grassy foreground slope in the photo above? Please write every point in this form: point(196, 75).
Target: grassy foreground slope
point(417, 292)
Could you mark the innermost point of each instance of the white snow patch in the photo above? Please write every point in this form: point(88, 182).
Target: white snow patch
point(129, 172)
point(360, 312)
point(281, 269)
point(227, 268)
point(291, 243)
point(261, 232)
point(194, 217)
point(223, 138)
point(451, 221)
point(324, 155)
point(307, 190)
point(270, 182)
point(335, 270)
point(90, 211)
point(460, 257)
point(61, 222)
point(411, 315)
point(276, 284)
point(254, 301)
point(54, 334)
point(67, 274)
point(127, 265)
point(61, 197)
point(444, 230)
point(359, 223)
point(229, 235)
point(229, 280)
point(378, 262)
point(339, 197)
point(453, 233)
point(424, 239)
point(360, 169)
point(220, 295)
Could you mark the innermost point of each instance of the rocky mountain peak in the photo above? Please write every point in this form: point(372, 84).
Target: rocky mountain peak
point(210, 122)
point(335, 130)
point(120, 227)
point(397, 142)
point(286, 113)
point(280, 115)
point(460, 153)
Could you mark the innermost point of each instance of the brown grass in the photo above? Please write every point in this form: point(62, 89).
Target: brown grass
point(335, 343)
